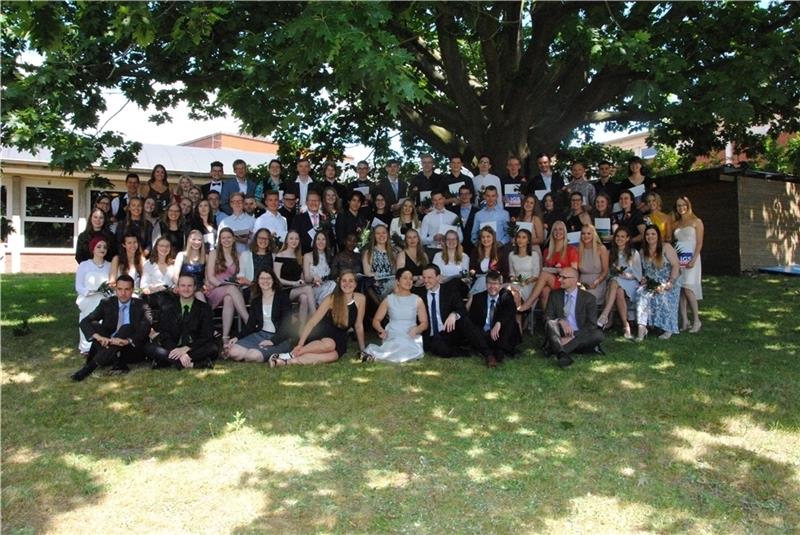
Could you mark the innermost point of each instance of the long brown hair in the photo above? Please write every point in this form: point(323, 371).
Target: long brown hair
point(124, 264)
point(255, 289)
point(373, 242)
point(494, 254)
point(298, 253)
point(419, 257)
point(627, 251)
point(339, 313)
point(220, 266)
point(657, 257)
point(170, 255)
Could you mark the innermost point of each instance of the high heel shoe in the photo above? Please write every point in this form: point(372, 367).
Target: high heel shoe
point(602, 321)
point(696, 327)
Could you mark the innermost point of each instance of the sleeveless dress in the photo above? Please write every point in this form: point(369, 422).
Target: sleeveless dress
point(686, 238)
point(398, 345)
point(558, 261)
point(196, 271)
point(290, 268)
point(323, 271)
point(631, 273)
point(384, 273)
point(162, 199)
point(327, 329)
point(216, 295)
point(659, 309)
point(590, 268)
point(527, 267)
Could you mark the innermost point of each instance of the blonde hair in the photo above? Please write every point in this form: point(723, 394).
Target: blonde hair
point(596, 241)
point(414, 218)
point(187, 251)
point(373, 242)
point(551, 243)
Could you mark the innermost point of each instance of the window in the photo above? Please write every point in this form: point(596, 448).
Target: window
point(49, 216)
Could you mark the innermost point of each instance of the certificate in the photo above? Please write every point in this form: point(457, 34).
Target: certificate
point(511, 196)
point(491, 224)
point(376, 222)
point(574, 238)
point(525, 225)
point(444, 229)
point(637, 191)
point(424, 195)
point(363, 189)
point(603, 226)
point(455, 187)
point(540, 193)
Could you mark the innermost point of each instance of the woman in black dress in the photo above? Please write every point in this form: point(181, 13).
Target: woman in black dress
point(324, 337)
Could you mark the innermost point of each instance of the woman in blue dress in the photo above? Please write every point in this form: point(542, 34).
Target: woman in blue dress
point(626, 275)
point(660, 294)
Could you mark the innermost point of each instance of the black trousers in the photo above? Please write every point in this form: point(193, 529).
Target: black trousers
point(506, 344)
point(158, 354)
point(103, 356)
point(584, 340)
point(447, 344)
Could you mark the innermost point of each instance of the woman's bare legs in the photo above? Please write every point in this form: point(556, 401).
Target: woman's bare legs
point(622, 310)
point(316, 352)
point(237, 352)
point(304, 295)
point(545, 280)
point(610, 300)
point(691, 298)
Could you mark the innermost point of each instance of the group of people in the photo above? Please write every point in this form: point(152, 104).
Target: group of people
point(448, 259)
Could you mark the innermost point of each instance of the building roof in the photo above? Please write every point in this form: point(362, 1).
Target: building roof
point(177, 159)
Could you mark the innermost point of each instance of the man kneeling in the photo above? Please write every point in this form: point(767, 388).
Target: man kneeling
point(495, 312)
point(186, 335)
point(570, 319)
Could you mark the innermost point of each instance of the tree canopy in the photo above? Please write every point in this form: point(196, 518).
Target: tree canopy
point(501, 78)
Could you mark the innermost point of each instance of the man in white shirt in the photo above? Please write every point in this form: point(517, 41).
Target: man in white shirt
point(239, 222)
point(119, 203)
point(216, 180)
point(430, 230)
point(272, 219)
point(483, 179)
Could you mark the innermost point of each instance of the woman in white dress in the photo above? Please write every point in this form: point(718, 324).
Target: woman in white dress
point(316, 268)
point(453, 263)
point(626, 274)
point(91, 275)
point(402, 337)
point(688, 234)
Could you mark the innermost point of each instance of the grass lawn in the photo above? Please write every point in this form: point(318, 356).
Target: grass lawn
point(700, 433)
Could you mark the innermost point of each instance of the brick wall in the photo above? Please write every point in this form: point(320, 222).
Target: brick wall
point(44, 263)
point(769, 215)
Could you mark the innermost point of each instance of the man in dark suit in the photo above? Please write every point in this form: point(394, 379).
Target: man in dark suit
point(454, 177)
point(186, 334)
point(393, 189)
point(310, 219)
point(425, 180)
point(239, 183)
point(495, 313)
point(449, 325)
point(215, 184)
point(546, 180)
point(362, 181)
point(466, 210)
point(515, 178)
point(288, 207)
point(570, 319)
point(118, 328)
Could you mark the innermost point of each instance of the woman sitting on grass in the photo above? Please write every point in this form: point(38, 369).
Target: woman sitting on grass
point(324, 338)
point(267, 328)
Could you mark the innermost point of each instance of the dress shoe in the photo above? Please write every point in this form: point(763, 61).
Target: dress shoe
point(491, 361)
point(83, 373)
point(564, 360)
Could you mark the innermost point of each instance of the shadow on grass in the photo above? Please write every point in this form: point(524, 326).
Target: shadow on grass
point(697, 433)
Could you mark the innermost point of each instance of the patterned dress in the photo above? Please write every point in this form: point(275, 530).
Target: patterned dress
point(659, 309)
point(384, 273)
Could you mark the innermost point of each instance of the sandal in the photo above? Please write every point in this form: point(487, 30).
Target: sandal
point(279, 359)
point(602, 321)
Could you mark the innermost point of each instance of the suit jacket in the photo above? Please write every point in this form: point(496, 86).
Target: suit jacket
point(537, 183)
point(302, 224)
point(341, 189)
point(505, 311)
point(205, 188)
point(196, 330)
point(466, 226)
point(281, 317)
point(229, 187)
point(103, 320)
point(585, 309)
point(450, 179)
point(385, 187)
point(449, 301)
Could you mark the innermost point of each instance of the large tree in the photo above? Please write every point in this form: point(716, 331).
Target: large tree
point(473, 77)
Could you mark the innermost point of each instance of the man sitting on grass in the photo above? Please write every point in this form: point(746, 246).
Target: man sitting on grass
point(118, 328)
point(186, 338)
point(570, 319)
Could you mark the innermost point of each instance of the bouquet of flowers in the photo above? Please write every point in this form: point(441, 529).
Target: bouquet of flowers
point(105, 289)
point(397, 241)
point(653, 286)
point(363, 238)
point(468, 276)
point(277, 243)
point(512, 228)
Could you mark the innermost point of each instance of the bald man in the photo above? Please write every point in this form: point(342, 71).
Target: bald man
point(570, 320)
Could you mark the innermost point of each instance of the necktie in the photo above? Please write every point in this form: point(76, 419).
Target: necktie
point(185, 311)
point(121, 319)
point(568, 307)
point(394, 187)
point(490, 315)
point(314, 219)
point(434, 316)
